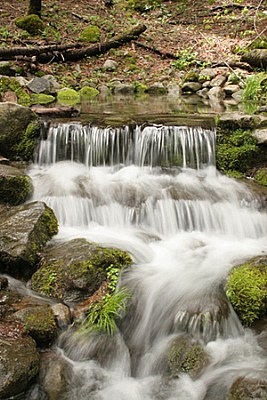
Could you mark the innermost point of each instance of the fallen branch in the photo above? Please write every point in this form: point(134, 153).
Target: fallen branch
point(7, 54)
point(95, 50)
point(56, 111)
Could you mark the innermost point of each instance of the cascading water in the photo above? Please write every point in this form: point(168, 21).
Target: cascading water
point(154, 191)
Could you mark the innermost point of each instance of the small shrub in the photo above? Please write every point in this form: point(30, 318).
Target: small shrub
point(255, 88)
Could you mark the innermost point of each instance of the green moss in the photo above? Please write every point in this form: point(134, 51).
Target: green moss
point(68, 96)
point(41, 98)
point(11, 84)
point(186, 356)
point(235, 151)
point(91, 34)
point(15, 189)
point(31, 23)
point(247, 290)
point(261, 176)
point(87, 92)
point(24, 149)
point(139, 87)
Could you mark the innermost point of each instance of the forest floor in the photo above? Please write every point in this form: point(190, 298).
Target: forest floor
point(198, 32)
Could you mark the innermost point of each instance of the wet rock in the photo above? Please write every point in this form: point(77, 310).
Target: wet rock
point(110, 65)
point(19, 360)
point(74, 270)
point(246, 388)
point(15, 137)
point(62, 314)
point(191, 87)
point(15, 186)
point(24, 230)
point(55, 375)
point(238, 120)
point(39, 322)
point(186, 355)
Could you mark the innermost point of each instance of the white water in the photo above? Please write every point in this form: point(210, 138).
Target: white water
point(185, 228)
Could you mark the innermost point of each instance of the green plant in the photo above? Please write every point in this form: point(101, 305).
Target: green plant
point(185, 59)
point(247, 292)
point(102, 316)
point(255, 87)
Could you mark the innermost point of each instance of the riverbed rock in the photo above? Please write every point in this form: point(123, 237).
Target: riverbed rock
point(246, 388)
point(62, 314)
point(74, 270)
point(17, 139)
point(39, 322)
point(19, 360)
point(15, 186)
point(24, 230)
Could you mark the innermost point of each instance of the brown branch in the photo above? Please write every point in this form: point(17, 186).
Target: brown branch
point(8, 53)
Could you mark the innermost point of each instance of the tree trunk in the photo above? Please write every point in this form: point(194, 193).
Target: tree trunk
point(256, 58)
point(35, 7)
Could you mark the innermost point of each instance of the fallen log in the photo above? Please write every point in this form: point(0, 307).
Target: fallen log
point(256, 58)
point(56, 111)
point(10, 53)
point(99, 48)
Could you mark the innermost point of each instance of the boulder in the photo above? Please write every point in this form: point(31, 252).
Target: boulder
point(19, 360)
point(38, 322)
point(24, 230)
point(17, 140)
point(246, 388)
point(74, 270)
point(40, 85)
point(189, 87)
point(261, 176)
point(110, 65)
point(15, 186)
point(62, 314)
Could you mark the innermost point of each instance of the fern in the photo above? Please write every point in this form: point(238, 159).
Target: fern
point(102, 316)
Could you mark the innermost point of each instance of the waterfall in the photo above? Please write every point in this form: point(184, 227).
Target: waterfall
point(154, 191)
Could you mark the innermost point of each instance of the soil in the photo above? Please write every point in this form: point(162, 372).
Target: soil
point(208, 32)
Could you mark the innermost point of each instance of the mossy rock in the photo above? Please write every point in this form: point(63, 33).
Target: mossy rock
point(18, 140)
point(67, 96)
point(246, 388)
point(74, 270)
point(41, 98)
point(186, 355)
point(8, 84)
point(246, 289)
point(235, 150)
point(19, 360)
point(261, 176)
point(15, 186)
point(91, 34)
point(24, 230)
point(39, 322)
point(87, 92)
point(31, 23)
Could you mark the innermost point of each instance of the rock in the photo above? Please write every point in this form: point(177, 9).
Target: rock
point(67, 96)
point(6, 68)
point(15, 186)
point(110, 65)
point(256, 58)
point(203, 93)
point(88, 92)
point(19, 360)
point(231, 89)
point(246, 388)
point(40, 85)
point(91, 34)
point(31, 23)
point(21, 80)
point(207, 74)
point(216, 92)
point(62, 314)
point(246, 289)
point(55, 375)
point(186, 355)
point(173, 89)
point(4, 161)
point(74, 270)
point(54, 85)
point(9, 97)
point(3, 283)
point(124, 89)
point(103, 91)
point(24, 230)
point(157, 89)
point(238, 95)
point(17, 140)
point(261, 176)
point(218, 80)
point(39, 322)
point(191, 87)
point(260, 135)
point(236, 120)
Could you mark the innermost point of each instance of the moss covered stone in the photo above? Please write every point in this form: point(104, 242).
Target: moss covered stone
point(74, 270)
point(31, 23)
point(42, 98)
point(24, 230)
point(67, 96)
point(91, 34)
point(88, 92)
point(8, 84)
point(39, 322)
point(17, 140)
point(245, 388)
point(247, 289)
point(235, 150)
point(186, 355)
point(261, 176)
point(15, 186)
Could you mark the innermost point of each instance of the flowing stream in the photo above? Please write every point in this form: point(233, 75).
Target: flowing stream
point(154, 191)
